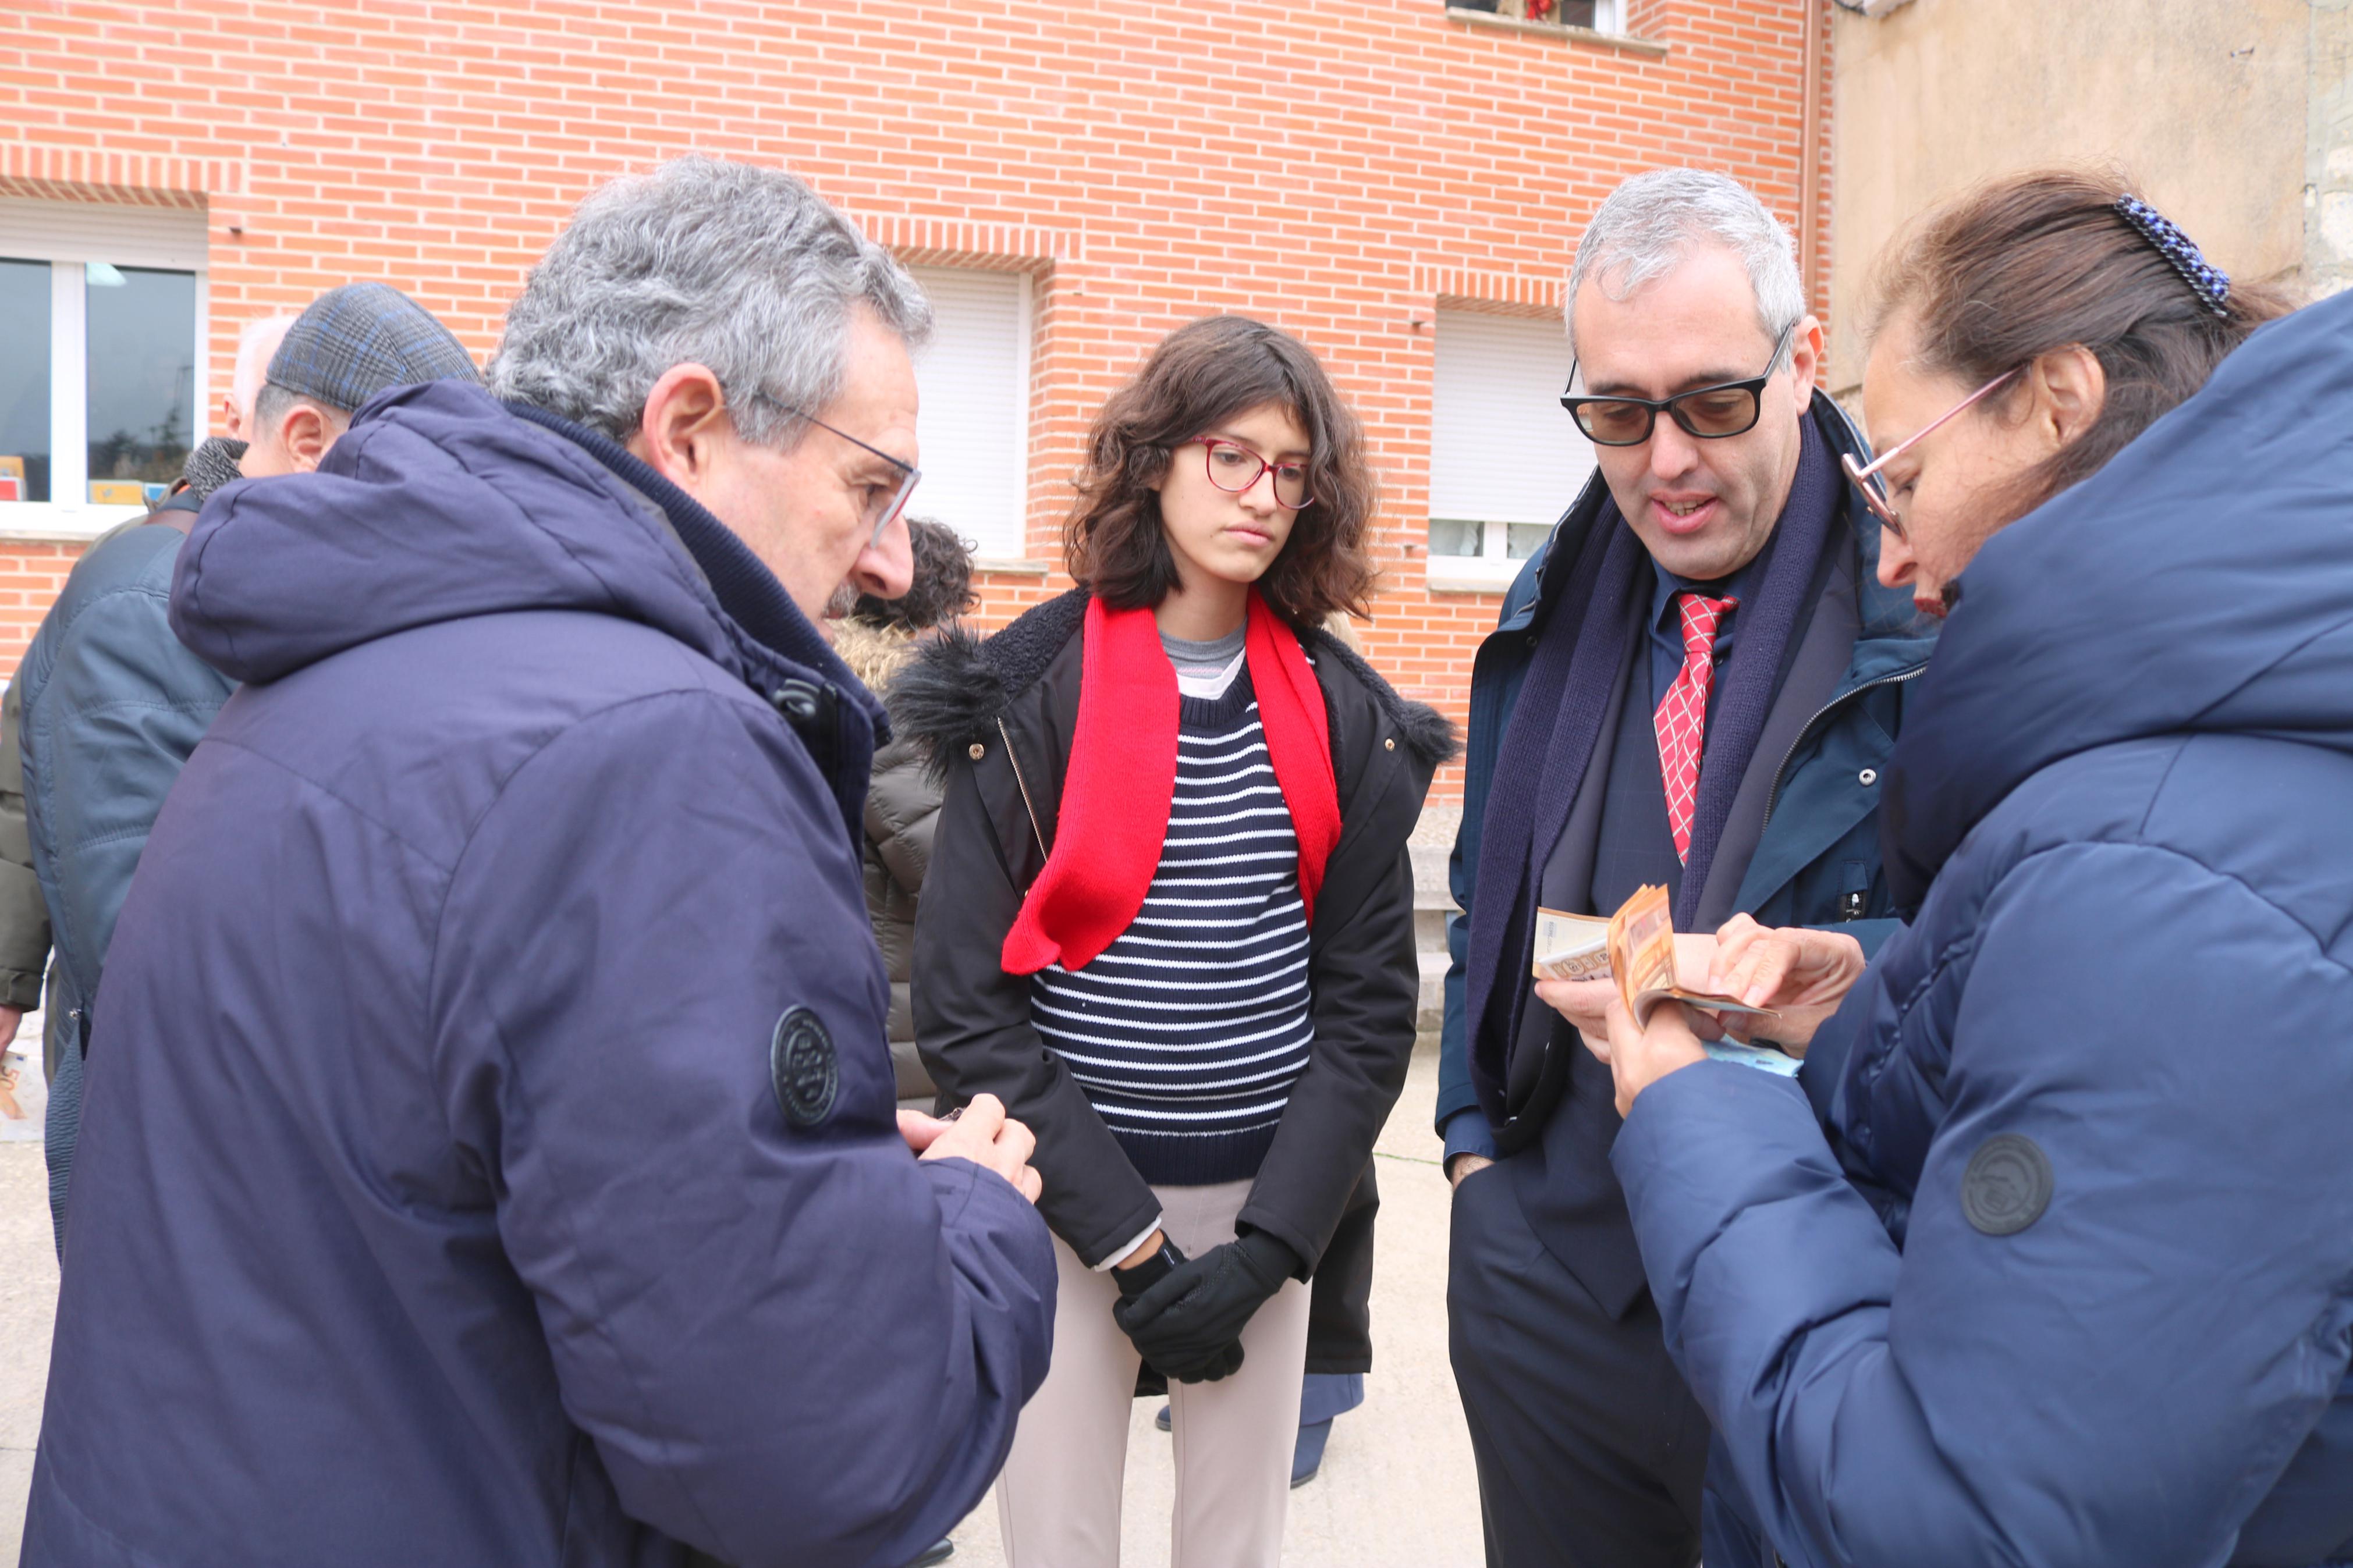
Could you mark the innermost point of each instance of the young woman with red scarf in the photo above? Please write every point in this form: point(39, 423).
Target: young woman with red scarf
point(1169, 922)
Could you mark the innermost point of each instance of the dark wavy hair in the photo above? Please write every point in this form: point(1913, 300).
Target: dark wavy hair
point(1200, 375)
point(2029, 263)
point(942, 589)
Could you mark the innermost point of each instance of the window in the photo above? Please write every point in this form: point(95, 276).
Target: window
point(1601, 15)
point(102, 371)
point(1504, 460)
point(973, 422)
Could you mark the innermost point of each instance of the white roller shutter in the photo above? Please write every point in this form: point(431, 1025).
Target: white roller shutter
point(102, 231)
point(973, 423)
point(1501, 449)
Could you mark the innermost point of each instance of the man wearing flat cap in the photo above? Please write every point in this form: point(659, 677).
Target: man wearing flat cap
point(352, 343)
point(111, 702)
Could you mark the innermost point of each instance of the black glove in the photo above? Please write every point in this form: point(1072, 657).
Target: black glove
point(1189, 1325)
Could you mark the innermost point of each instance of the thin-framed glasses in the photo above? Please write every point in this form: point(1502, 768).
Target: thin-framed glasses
point(1235, 468)
point(891, 503)
point(1866, 475)
point(1708, 413)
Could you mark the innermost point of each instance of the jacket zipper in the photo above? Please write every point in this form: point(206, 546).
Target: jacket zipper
point(1023, 785)
point(1773, 796)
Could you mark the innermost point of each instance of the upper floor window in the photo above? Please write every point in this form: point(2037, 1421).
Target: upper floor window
point(102, 360)
point(1601, 15)
point(1504, 459)
point(973, 424)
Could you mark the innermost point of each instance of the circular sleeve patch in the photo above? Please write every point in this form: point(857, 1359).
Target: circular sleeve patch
point(2007, 1185)
point(801, 1059)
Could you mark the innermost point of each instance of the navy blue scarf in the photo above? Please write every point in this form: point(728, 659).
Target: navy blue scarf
point(1557, 724)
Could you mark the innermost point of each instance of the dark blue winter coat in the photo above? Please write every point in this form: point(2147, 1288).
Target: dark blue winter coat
point(113, 704)
point(2071, 1281)
point(488, 1154)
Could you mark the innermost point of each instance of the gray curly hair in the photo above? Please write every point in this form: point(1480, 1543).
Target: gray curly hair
point(743, 270)
point(1644, 227)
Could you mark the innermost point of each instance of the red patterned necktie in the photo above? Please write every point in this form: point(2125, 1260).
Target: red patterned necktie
point(1682, 718)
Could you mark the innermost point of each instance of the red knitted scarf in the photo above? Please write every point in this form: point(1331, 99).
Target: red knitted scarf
point(1122, 776)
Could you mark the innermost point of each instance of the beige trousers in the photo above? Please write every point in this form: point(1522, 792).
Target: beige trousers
point(1058, 1499)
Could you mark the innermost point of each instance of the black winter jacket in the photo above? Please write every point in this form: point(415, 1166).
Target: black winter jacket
point(997, 716)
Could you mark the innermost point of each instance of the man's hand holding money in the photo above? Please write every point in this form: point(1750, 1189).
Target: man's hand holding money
point(1802, 973)
point(1586, 1003)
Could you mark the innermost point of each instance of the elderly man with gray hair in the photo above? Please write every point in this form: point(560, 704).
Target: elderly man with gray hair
point(491, 1154)
point(1695, 683)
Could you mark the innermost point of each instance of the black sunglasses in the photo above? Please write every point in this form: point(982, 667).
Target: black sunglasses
point(1708, 413)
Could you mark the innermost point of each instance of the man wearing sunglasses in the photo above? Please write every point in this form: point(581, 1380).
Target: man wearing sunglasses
point(490, 1107)
point(1695, 683)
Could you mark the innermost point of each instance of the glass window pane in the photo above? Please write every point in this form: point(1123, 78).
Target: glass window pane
point(1520, 540)
point(1454, 536)
point(142, 380)
point(25, 381)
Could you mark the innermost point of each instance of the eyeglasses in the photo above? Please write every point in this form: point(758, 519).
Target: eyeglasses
point(1235, 468)
point(1709, 413)
point(879, 507)
point(1866, 476)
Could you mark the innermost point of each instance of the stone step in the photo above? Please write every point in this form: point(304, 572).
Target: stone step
point(1432, 1009)
point(1432, 902)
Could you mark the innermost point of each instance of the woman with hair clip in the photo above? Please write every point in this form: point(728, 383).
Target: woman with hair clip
point(2059, 1271)
point(1169, 921)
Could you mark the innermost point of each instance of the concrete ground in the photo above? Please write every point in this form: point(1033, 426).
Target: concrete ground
point(1396, 1488)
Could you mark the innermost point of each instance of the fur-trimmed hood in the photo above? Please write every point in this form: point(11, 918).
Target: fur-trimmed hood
point(950, 695)
point(875, 654)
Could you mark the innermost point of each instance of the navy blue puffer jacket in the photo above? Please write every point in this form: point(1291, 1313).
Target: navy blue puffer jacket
point(2070, 1280)
point(488, 1154)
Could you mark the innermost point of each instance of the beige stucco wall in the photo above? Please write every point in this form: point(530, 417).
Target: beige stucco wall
point(2207, 105)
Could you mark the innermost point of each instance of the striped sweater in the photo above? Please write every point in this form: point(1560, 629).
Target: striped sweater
point(1187, 1032)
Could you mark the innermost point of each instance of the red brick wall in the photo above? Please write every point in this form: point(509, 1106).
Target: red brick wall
point(1334, 168)
point(30, 576)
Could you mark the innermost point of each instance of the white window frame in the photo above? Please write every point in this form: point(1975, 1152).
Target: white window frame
point(53, 240)
point(1608, 17)
point(1489, 572)
point(1017, 456)
point(1492, 570)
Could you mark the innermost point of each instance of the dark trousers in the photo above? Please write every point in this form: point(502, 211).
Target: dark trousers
point(1590, 1448)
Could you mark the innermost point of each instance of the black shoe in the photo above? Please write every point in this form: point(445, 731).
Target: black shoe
point(945, 1550)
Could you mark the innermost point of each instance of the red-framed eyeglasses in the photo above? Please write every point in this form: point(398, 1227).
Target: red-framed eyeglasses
point(1235, 468)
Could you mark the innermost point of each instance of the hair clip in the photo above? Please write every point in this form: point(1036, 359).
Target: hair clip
point(2211, 284)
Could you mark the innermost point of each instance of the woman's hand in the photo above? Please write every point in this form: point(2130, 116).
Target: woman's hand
point(1802, 974)
point(1641, 1057)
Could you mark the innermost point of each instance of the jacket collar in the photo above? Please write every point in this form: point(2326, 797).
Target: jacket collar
point(766, 628)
